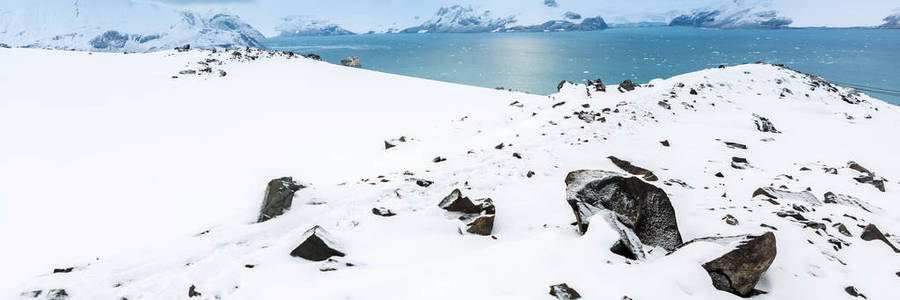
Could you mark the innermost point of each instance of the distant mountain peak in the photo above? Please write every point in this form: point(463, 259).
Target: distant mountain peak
point(458, 18)
point(306, 26)
point(891, 22)
point(734, 14)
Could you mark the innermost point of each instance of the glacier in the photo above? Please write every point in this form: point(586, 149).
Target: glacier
point(98, 25)
point(306, 26)
point(461, 19)
point(735, 14)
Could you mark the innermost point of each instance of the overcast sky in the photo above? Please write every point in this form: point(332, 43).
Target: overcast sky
point(364, 15)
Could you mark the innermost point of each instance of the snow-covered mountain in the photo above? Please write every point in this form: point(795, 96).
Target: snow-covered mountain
point(891, 22)
point(461, 19)
point(587, 24)
point(118, 25)
point(306, 26)
point(750, 180)
point(734, 14)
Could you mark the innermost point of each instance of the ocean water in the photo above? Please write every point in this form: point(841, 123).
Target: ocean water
point(536, 62)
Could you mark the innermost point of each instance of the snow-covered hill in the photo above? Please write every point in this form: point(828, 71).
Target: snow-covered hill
point(587, 24)
point(734, 14)
point(459, 19)
point(117, 26)
point(151, 189)
point(306, 26)
point(891, 22)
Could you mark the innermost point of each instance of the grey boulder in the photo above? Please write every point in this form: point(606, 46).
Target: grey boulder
point(317, 245)
point(279, 196)
point(738, 270)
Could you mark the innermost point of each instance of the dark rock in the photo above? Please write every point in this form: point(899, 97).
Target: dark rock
point(312, 56)
point(332, 264)
point(558, 104)
point(424, 183)
point(456, 202)
point(665, 143)
point(791, 214)
point(482, 225)
point(774, 193)
point(857, 167)
point(739, 270)
point(317, 245)
point(63, 270)
point(736, 145)
point(868, 179)
point(192, 292)
point(500, 146)
point(438, 159)
point(664, 104)
point(842, 229)
point(384, 212)
point(187, 72)
point(721, 66)
point(388, 145)
point(351, 61)
point(768, 226)
point(681, 183)
point(720, 175)
point(517, 155)
point(627, 86)
point(529, 174)
point(562, 291)
point(740, 163)
point(57, 294)
point(249, 266)
point(846, 200)
point(854, 292)
point(763, 124)
point(639, 210)
point(632, 169)
point(693, 92)
point(279, 196)
point(180, 49)
point(730, 220)
point(597, 85)
point(2, 45)
point(871, 233)
point(222, 73)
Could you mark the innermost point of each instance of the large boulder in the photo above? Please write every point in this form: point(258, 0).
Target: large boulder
point(279, 196)
point(640, 211)
point(738, 270)
point(871, 233)
point(317, 245)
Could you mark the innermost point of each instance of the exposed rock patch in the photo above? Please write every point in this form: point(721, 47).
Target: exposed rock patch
point(478, 215)
point(871, 233)
point(317, 245)
point(739, 270)
point(632, 169)
point(763, 124)
point(562, 291)
point(279, 197)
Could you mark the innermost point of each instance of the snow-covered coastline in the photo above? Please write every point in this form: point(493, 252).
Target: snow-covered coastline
point(147, 184)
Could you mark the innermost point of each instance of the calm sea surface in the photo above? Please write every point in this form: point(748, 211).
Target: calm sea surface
point(536, 62)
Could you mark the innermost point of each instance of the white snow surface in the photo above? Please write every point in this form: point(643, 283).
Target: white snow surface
point(118, 26)
point(111, 166)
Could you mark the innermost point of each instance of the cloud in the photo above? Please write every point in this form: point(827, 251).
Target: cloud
point(572, 15)
point(551, 3)
point(204, 1)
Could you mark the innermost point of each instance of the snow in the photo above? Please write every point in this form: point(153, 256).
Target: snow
point(459, 18)
point(118, 168)
point(306, 26)
point(99, 25)
point(734, 14)
point(891, 22)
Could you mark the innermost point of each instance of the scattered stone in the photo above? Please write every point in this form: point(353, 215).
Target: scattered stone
point(733, 145)
point(312, 56)
point(693, 91)
point(57, 294)
point(517, 155)
point(868, 179)
point(187, 72)
point(249, 266)
point(63, 270)
point(871, 233)
point(559, 104)
point(384, 212)
point(562, 291)
point(597, 85)
point(764, 225)
point(763, 124)
point(665, 143)
point(517, 104)
point(279, 196)
point(529, 174)
point(672, 182)
point(854, 292)
point(739, 270)
point(842, 229)
point(184, 48)
point(222, 73)
point(791, 214)
point(730, 220)
point(632, 169)
point(740, 163)
point(332, 264)
point(720, 175)
point(499, 147)
point(640, 211)
point(664, 104)
point(438, 159)
point(2, 45)
point(773, 193)
point(317, 245)
point(351, 61)
point(192, 292)
point(627, 86)
point(479, 214)
point(857, 167)
point(424, 183)
point(562, 84)
point(394, 142)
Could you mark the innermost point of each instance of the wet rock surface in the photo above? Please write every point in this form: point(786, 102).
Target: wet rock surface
point(279, 197)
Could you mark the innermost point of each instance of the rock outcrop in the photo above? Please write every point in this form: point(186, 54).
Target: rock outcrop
point(317, 245)
point(279, 196)
point(640, 211)
point(763, 124)
point(478, 215)
point(738, 270)
point(871, 233)
point(562, 291)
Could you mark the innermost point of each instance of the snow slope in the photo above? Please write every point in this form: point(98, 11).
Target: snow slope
point(131, 178)
point(305, 26)
point(102, 25)
point(734, 14)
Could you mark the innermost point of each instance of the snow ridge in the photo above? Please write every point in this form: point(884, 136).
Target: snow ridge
point(891, 22)
point(461, 19)
point(737, 14)
point(306, 26)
